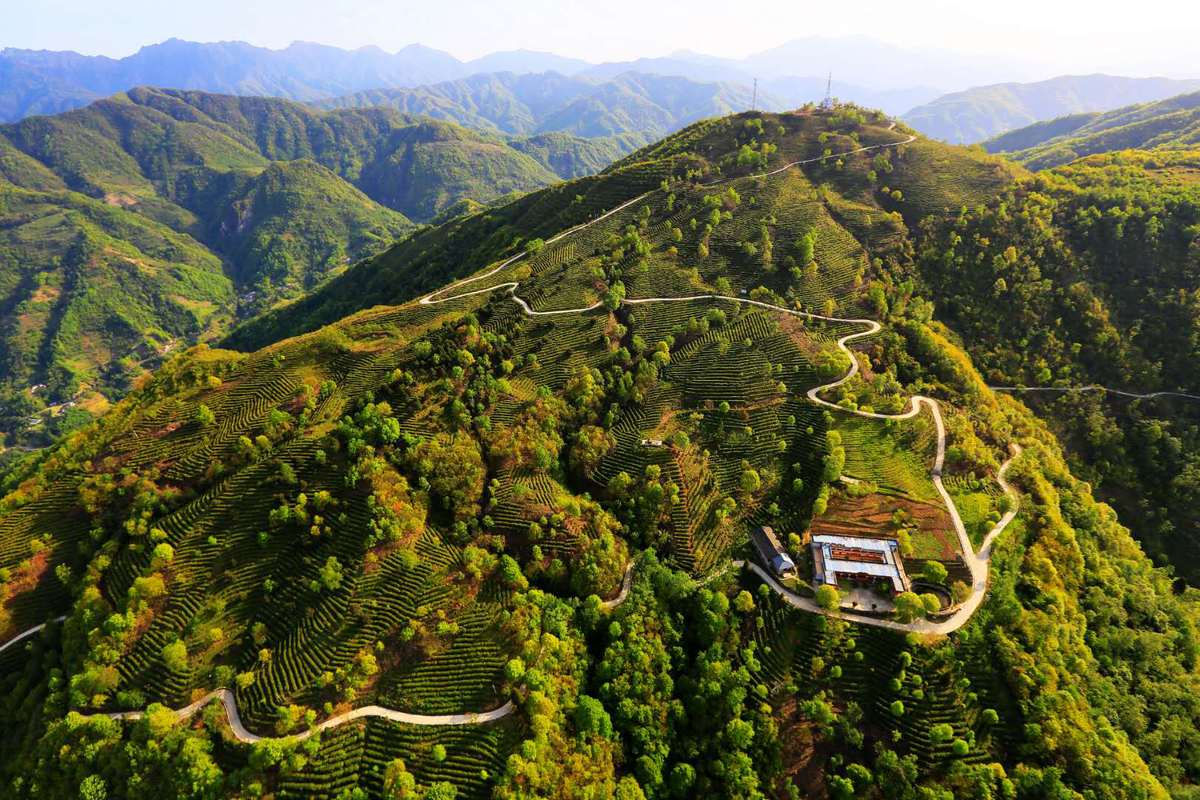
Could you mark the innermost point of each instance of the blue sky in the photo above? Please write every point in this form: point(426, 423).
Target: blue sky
point(1146, 37)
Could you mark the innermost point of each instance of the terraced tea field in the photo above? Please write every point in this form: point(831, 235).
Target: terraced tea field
point(354, 520)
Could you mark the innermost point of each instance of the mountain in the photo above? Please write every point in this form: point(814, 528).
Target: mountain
point(40, 82)
point(1088, 276)
point(698, 68)
point(414, 165)
point(295, 223)
point(93, 296)
point(859, 63)
point(401, 526)
point(430, 258)
point(867, 72)
point(987, 111)
point(1168, 124)
point(639, 107)
point(525, 61)
point(794, 92)
point(574, 156)
point(152, 220)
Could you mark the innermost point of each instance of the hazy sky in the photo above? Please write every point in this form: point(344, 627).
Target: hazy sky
point(1143, 37)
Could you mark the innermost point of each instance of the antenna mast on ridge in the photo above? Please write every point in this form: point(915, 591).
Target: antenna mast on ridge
point(827, 103)
point(754, 102)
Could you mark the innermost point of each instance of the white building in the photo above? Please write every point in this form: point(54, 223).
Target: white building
point(858, 560)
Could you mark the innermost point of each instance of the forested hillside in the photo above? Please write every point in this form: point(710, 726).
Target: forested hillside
point(1090, 274)
point(48, 82)
point(492, 539)
point(155, 219)
point(1172, 124)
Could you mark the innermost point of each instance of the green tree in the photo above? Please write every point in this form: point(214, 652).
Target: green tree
point(331, 573)
point(805, 248)
point(614, 296)
point(828, 597)
point(744, 602)
point(909, 607)
point(205, 416)
point(93, 787)
point(175, 656)
point(934, 572)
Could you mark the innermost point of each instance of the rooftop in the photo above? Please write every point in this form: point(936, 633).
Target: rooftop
point(856, 556)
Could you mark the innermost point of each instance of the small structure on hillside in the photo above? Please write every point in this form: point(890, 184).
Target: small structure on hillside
point(828, 103)
point(772, 552)
point(858, 560)
point(652, 443)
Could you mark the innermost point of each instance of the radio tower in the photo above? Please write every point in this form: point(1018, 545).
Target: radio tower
point(827, 103)
point(754, 102)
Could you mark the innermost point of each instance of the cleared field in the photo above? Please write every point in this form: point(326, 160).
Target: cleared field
point(875, 515)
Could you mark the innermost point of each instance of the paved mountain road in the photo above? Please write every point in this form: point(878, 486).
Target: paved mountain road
point(1096, 388)
point(242, 735)
point(977, 563)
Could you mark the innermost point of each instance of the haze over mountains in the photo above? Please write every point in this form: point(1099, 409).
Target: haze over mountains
point(41, 82)
point(986, 111)
point(550, 92)
point(643, 105)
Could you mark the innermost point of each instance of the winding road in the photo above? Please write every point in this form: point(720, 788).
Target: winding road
point(27, 633)
point(977, 562)
point(242, 735)
point(1095, 388)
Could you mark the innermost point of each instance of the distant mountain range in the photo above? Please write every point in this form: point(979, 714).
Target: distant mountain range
point(987, 111)
point(1170, 124)
point(47, 82)
point(644, 106)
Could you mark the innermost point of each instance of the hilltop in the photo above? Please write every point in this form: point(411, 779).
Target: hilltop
point(528, 494)
point(1172, 124)
point(937, 179)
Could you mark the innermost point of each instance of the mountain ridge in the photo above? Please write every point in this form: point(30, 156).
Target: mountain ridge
point(984, 112)
point(1170, 124)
